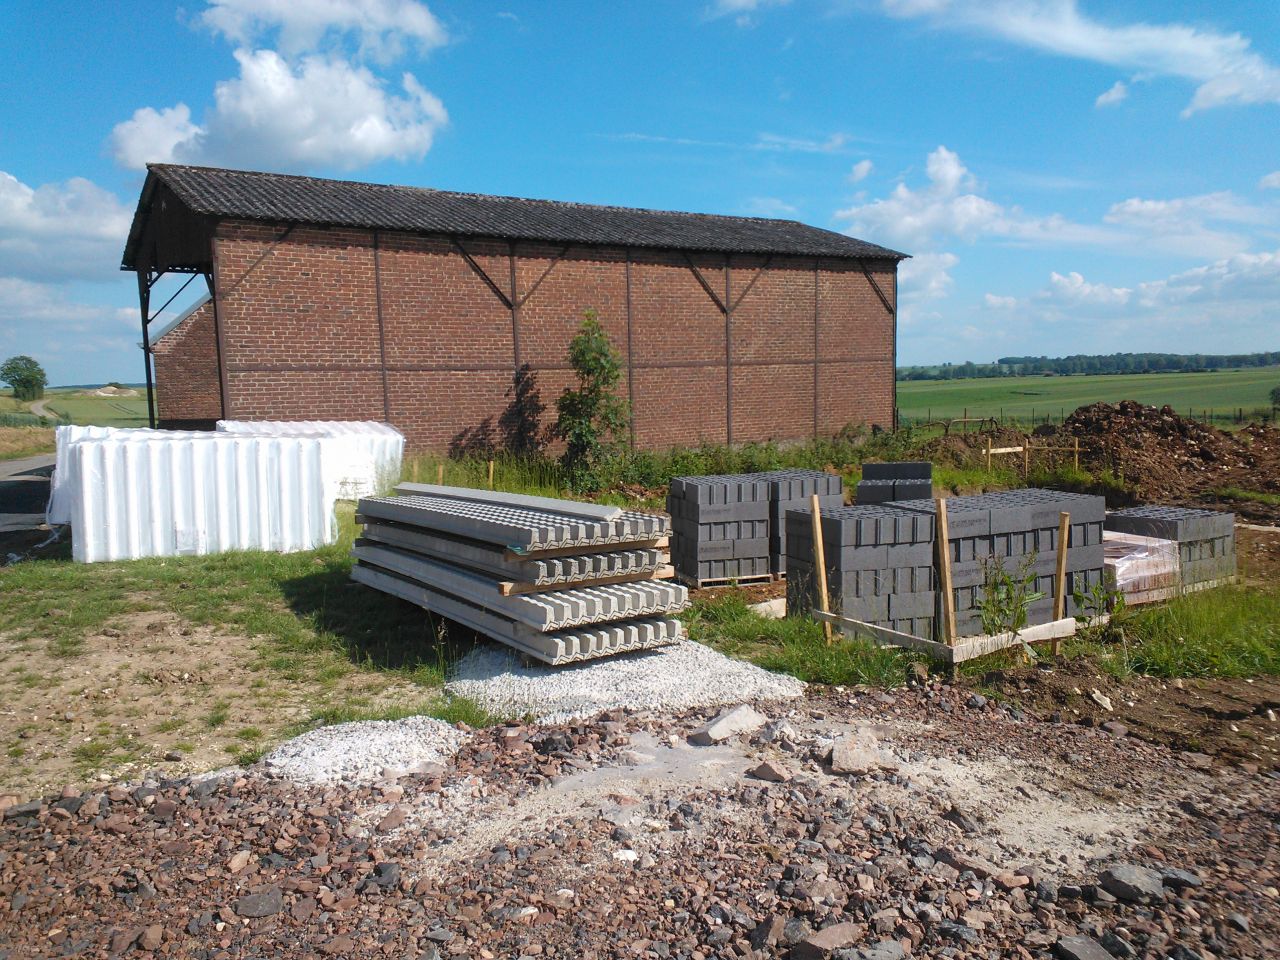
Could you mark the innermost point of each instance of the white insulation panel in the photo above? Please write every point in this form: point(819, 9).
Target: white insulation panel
point(173, 494)
point(362, 457)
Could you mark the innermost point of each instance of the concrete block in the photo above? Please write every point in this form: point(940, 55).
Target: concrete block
point(906, 606)
point(899, 470)
point(871, 492)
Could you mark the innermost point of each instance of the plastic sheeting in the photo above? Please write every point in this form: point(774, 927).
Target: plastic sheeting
point(171, 494)
point(362, 457)
point(1140, 564)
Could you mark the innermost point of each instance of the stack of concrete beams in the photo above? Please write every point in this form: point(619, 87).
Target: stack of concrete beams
point(557, 580)
point(1018, 531)
point(888, 482)
point(1205, 538)
point(733, 526)
point(879, 563)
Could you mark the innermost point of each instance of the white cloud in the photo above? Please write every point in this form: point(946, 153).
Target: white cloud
point(769, 206)
point(1112, 95)
point(1270, 182)
point(1185, 224)
point(996, 302)
point(742, 11)
point(925, 277)
point(1224, 67)
point(67, 337)
point(860, 171)
point(60, 230)
point(322, 112)
point(301, 26)
point(1073, 288)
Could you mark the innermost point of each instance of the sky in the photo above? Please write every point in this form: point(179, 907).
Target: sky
point(1068, 176)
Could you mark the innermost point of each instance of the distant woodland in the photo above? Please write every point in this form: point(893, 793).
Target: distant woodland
point(1091, 364)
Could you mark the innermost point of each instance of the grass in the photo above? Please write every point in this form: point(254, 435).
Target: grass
point(18, 442)
point(793, 645)
point(1254, 496)
point(84, 408)
point(1020, 397)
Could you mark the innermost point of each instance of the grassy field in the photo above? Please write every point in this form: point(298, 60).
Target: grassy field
point(1020, 397)
point(81, 407)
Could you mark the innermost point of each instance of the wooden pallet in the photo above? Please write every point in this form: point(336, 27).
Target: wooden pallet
point(697, 584)
point(1139, 597)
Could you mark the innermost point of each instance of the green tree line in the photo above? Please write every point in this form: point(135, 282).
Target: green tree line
point(1090, 363)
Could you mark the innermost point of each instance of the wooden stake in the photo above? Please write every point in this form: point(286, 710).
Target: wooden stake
point(440, 474)
point(413, 471)
point(1026, 459)
point(988, 454)
point(1060, 575)
point(1076, 447)
point(944, 575)
point(820, 565)
point(490, 474)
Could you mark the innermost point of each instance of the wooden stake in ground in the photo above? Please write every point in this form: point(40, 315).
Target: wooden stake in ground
point(944, 575)
point(1060, 574)
point(440, 474)
point(820, 566)
point(490, 474)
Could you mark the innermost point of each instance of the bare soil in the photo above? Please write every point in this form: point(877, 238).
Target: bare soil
point(151, 692)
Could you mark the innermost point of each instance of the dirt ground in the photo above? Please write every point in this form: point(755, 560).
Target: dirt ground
point(150, 692)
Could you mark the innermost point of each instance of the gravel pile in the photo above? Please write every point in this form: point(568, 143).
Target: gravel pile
point(365, 751)
point(675, 678)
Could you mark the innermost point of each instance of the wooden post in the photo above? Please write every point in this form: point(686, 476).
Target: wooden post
point(1060, 574)
point(988, 454)
point(1076, 445)
point(1026, 458)
point(440, 474)
point(490, 474)
point(944, 575)
point(820, 565)
point(413, 470)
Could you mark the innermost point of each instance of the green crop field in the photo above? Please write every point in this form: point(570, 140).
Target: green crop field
point(1022, 397)
point(84, 408)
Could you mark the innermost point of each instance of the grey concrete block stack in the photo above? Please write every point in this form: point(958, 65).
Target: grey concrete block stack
point(732, 526)
point(879, 563)
point(527, 572)
point(1018, 530)
point(887, 482)
point(1205, 538)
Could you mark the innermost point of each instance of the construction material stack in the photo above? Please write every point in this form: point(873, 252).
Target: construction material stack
point(879, 563)
point(1205, 538)
point(558, 580)
point(732, 527)
point(888, 482)
point(1016, 531)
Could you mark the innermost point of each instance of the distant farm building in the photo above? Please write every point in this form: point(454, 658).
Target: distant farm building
point(449, 315)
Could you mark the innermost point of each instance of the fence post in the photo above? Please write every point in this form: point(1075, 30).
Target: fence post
point(820, 565)
point(1076, 445)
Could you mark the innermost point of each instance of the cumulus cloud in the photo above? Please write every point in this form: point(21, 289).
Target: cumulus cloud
point(742, 11)
point(1270, 182)
point(860, 171)
point(307, 104)
point(381, 27)
point(769, 206)
point(1073, 288)
point(996, 302)
point(1224, 67)
point(74, 229)
point(1116, 93)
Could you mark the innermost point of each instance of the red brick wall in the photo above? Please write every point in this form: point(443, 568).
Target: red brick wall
point(346, 324)
point(186, 371)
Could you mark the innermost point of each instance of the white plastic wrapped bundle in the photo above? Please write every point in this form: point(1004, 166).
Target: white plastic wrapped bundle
point(1139, 564)
point(138, 494)
point(362, 457)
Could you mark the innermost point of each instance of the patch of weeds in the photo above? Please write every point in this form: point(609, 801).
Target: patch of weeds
point(168, 726)
point(448, 709)
point(65, 648)
point(184, 746)
point(246, 756)
point(92, 752)
point(17, 751)
point(249, 733)
point(1252, 496)
point(218, 715)
point(793, 645)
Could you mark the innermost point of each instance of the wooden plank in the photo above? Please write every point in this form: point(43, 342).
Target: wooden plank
point(1007, 450)
point(510, 588)
point(724, 581)
point(1168, 593)
point(820, 564)
point(1060, 574)
point(513, 553)
point(884, 636)
point(968, 648)
point(944, 573)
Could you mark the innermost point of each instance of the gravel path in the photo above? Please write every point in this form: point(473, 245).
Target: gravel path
point(680, 677)
point(365, 751)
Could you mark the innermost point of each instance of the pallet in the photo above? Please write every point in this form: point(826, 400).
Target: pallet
point(508, 588)
point(696, 584)
point(1139, 597)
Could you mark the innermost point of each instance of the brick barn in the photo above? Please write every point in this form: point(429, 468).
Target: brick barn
point(449, 314)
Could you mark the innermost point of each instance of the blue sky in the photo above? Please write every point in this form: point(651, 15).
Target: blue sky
point(1069, 175)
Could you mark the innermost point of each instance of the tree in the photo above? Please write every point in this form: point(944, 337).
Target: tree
point(590, 417)
point(25, 376)
point(1275, 398)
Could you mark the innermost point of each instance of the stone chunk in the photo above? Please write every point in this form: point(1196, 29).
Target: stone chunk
point(963, 861)
point(730, 723)
point(1127, 881)
point(264, 903)
point(857, 753)
point(884, 950)
point(822, 944)
point(773, 772)
point(1080, 948)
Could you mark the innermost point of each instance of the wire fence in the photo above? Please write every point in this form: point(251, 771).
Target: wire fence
point(1035, 417)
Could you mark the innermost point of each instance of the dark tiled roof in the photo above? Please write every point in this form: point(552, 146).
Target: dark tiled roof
point(280, 198)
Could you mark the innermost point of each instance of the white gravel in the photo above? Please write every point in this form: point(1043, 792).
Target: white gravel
point(673, 678)
point(365, 751)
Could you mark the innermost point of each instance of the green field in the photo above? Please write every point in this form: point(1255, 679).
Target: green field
point(1022, 397)
point(83, 408)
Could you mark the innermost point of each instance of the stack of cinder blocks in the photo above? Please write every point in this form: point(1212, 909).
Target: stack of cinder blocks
point(887, 482)
point(879, 562)
point(1205, 538)
point(732, 526)
point(719, 528)
point(1017, 531)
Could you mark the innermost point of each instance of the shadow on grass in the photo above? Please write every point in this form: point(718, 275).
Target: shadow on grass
point(374, 629)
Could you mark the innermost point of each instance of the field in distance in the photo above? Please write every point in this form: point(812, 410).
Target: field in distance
point(1219, 392)
point(103, 407)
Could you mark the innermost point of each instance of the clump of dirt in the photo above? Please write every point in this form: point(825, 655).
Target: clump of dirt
point(1230, 721)
point(1165, 458)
